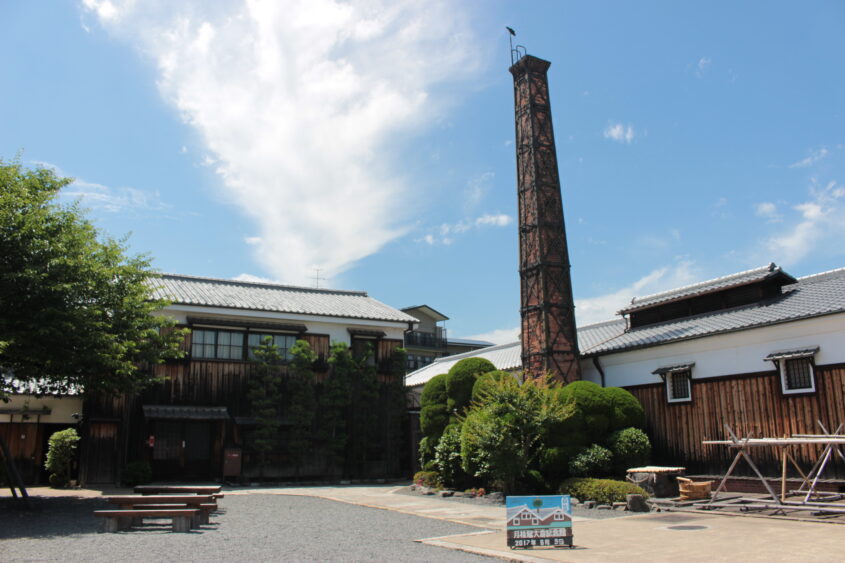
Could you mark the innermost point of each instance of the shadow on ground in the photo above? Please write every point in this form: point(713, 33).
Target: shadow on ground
point(45, 517)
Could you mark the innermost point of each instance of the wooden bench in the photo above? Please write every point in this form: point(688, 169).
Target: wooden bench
point(116, 520)
point(137, 502)
point(178, 489)
point(203, 517)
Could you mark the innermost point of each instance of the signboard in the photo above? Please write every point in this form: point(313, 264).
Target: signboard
point(539, 521)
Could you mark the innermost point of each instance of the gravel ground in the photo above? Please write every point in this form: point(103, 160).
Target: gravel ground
point(254, 528)
point(578, 511)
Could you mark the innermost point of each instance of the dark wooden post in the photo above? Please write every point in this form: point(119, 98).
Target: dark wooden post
point(549, 340)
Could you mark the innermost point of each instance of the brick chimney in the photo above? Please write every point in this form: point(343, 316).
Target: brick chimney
point(549, 339)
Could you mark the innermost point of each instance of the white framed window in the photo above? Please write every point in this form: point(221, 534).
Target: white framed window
point(679, 386)
point(678, 381)
point(796, 370)
point(796, 375)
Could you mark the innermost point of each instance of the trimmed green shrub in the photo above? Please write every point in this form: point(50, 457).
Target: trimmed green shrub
point(427, 479)
point(594, 405)
point(483, 383)
point(434, 416)
point(554, 461)
point(603, 491)
point(502, 438)
point(591, 462)
point(60, 453)
point(626, 411)
point(630, 447)
point(137, 473)
point(447, 458)
point(460, 381)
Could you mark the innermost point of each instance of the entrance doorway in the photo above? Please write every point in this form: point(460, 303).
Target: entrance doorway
point(183, 450)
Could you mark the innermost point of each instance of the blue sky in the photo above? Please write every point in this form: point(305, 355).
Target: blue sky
point(374, 140)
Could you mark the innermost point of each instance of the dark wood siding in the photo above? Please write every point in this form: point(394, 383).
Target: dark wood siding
point(751, 405)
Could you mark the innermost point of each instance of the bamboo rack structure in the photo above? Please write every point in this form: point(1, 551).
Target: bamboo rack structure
point(832, 442)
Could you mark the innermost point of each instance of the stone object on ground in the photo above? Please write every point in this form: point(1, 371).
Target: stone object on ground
point(658, 481)
point(460, 494)
point(620, 505)
point(589, 504)
point(446, 493)
point(603, 507)
point(495, 496)
point(427, 491)
point(636, 503)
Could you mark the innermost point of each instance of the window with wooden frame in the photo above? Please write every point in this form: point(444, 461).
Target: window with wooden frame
point(282, 342)
point(217, 344)
point(796, 370)
point(365, 348)
point(678, 381)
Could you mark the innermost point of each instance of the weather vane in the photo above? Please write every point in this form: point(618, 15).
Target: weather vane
point(516, 54)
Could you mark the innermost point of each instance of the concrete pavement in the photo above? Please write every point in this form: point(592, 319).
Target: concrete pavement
point(664, 536)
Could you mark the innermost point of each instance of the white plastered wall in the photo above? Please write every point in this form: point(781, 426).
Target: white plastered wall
point(61, 409)
point(725, 354)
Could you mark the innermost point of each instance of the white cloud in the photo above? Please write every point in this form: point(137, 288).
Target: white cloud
point(619, 133)
point(498, 336)
point(297, 103)
point(445, 233)
point(812, 159)
point(477, 189)
point(92, 195)
point(702, 66)
point(251, 278)
point(604, 307)
point(497, 220)
point(252, 240)
point(820, 222)
point(769, 211)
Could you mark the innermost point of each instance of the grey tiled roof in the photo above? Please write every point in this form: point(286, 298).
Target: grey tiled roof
point(811, 296)
point(211, 292)
point(709, 286)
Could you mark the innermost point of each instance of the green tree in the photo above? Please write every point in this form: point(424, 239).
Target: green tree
point(76, 310)
point(334, 401)
point(61, 450)
point(300, 403)
point(504, 434)
point(265, 396)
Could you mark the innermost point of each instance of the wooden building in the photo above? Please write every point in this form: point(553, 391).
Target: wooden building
point(28, 420)
point(195, 420)
point(758, 350)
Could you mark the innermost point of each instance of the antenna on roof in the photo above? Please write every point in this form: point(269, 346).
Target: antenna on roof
point(316, 277)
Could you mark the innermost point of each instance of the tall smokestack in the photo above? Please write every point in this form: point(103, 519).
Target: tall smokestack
point(549, 339)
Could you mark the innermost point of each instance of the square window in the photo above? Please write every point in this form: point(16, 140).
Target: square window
point(678, 386)
point(282, 342)
point(797, 375)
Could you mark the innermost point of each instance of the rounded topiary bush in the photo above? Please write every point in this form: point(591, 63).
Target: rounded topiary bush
point(603, 491)
point(593, 403)
point(434, 415)
point(484, 381)
point(631, 448)
point(625, 410)
point(594, 461)
point(461, 379)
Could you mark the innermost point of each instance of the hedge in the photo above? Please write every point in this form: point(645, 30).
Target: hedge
point(603, 491)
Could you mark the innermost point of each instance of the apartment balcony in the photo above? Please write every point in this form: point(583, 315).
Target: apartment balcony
point(419, 339)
